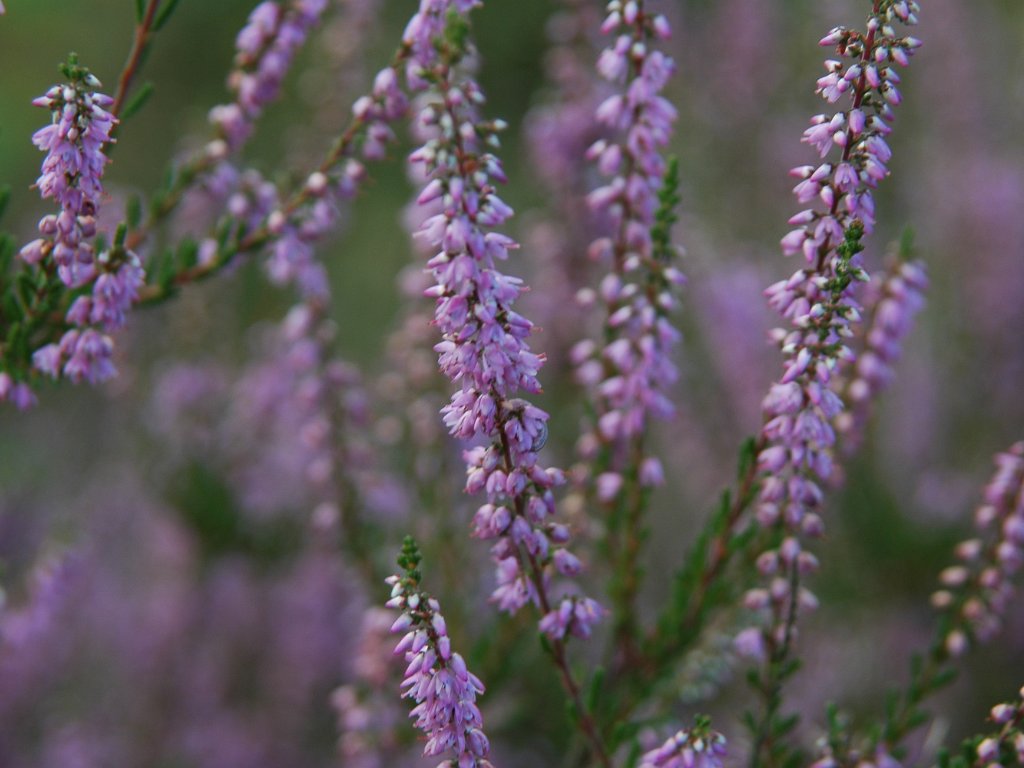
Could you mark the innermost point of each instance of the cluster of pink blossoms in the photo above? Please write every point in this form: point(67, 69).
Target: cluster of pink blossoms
point(296, 229)
point(631, 372)
point(485, 341)
point(699, 747)
point(894, 301)
point(265, 48)
point(72, 174)
point(84, 352)
point(800, 410)
point(978, 590)
point(436, 679)
point(1007, 745)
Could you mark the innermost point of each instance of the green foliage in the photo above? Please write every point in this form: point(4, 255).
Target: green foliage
point(409, 560)
point(209, 508)
point(665, 216)
point(164, 14)
point(137, 101)
point(455, 42)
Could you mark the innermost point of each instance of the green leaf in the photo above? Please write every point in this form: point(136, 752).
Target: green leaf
point(164, 14)
point(784, 725)
point(571, 712)
point(5, 198)
point(133, 211)
point(906, 249)
point(137, 101)
point(748, 455)
point(188, 254)
point(24, 284)
point(917, 719)
point(7, 249)
point(140, 10)
point(943, 678)
point(748, 719)
point(594, 691)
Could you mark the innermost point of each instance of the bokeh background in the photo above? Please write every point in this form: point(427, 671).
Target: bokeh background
point(172, 599)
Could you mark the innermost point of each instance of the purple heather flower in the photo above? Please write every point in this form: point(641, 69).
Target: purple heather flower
point(437, 679)
point(559, 130)
point(800, 410)
point(71, 175)
point(629, 377)
point(85, 353)
point(891, 305)
point(17, 392)
point(485, 345)
point(699, 747)
point(978, 590)
point(265, 47)
point(574, 615)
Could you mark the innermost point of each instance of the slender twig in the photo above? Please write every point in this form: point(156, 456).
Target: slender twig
point(143, 33)
point(262, 235)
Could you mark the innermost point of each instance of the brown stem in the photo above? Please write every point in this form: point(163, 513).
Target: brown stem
point(143, 32)
point(535, 570)
point(152, 294)
point(558, 651)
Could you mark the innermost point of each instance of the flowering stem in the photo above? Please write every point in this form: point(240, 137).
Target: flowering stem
point(626, 583)
point(714, 550)
point(974, 595)
point(555, 647)
point(766, 750)
point(156, 293)
point(694, 594)
point(341, 149)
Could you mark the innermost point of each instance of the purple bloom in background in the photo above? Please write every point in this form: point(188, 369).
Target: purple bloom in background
point(138, 626)
point(891, 305)
point(265, 46)
point(630, 374)
point(977, 591)
point(72, 174)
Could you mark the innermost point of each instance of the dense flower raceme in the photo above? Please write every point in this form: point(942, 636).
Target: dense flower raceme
point(436, 679)
point(72, 174)
point(892, 302)
point(699, 747)
point(630, 374)
point(559, 131)
point(265, 48)
point(818, 300)
point(84, 352)
point(977, 591)
point(485, 350)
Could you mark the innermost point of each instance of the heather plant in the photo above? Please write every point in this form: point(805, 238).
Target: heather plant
point(628, 530)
